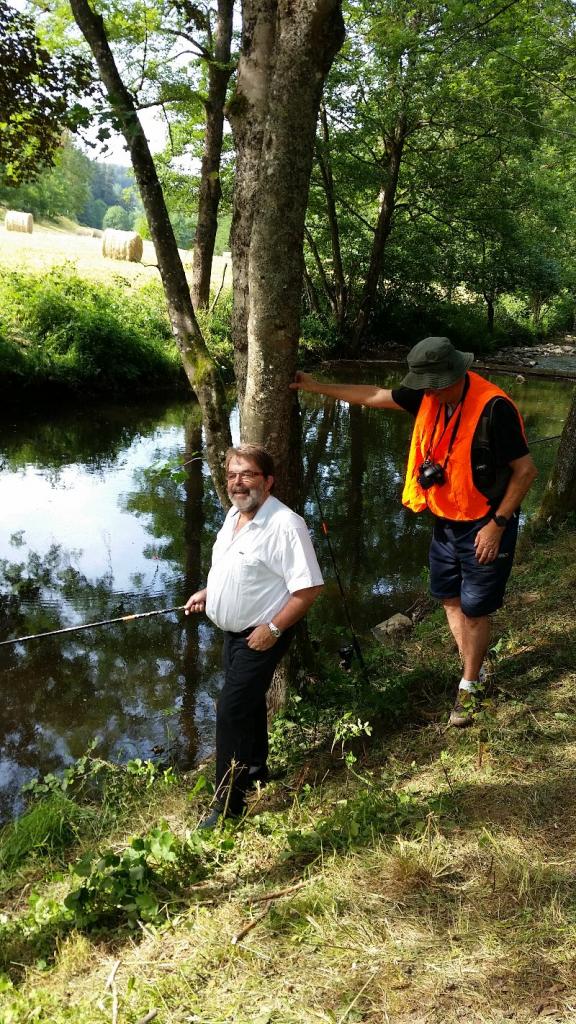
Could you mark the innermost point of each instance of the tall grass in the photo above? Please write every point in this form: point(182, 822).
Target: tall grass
point(61, 328)
point(47, 828)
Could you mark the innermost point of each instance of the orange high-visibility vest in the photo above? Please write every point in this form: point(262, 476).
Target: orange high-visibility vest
point(458, 498)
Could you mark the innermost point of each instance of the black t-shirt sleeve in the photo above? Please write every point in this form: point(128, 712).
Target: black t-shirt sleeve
point(408, 399)
point(507, 440)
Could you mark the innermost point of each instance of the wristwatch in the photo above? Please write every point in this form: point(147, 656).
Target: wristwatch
point(500, 521)
point(277, 633)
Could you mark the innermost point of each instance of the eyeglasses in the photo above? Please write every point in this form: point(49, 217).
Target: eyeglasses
point(246, 476)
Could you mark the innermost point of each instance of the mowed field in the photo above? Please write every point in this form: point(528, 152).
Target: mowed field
point(52, 244)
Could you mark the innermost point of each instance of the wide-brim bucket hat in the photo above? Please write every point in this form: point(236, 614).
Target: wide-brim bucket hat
point(435, 363)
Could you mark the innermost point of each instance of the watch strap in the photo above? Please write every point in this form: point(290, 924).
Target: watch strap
point(500, 521)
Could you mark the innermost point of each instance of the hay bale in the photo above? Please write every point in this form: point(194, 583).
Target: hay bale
point(15, 220)
point(122, 245)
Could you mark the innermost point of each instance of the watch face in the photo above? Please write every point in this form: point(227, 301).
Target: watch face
point(501, 520)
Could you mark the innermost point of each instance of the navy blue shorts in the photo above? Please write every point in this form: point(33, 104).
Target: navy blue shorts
point(456, 572)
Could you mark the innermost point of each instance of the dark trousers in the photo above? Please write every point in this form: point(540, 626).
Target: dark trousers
point(241, 716)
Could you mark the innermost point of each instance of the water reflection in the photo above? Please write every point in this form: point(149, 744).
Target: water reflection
point(96, 525)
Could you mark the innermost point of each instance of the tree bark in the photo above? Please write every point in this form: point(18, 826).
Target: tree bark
point(383, 229)
point(309, 34)
point(246, 112)
point(559, 500)
point(198, 364)
point(219, 71)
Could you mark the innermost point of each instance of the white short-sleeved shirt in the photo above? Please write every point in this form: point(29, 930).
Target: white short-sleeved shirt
point(254, 573)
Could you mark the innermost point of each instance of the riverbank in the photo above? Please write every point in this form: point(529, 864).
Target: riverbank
point(412, 873)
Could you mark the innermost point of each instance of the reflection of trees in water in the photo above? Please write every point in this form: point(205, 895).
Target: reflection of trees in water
point(132, 685)
point(379, 547)
point(93, 435)
point(114, 682)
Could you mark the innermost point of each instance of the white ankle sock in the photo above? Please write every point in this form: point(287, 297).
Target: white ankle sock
point(470, 685)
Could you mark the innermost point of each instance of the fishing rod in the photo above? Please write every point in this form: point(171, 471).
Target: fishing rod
point(355, 641)
point(91, 625)
point(540, 440)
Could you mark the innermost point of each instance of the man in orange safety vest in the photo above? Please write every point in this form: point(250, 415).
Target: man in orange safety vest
point(469, 465)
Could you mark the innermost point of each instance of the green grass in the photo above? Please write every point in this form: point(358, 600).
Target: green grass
point(47, 828)
point(429, 878)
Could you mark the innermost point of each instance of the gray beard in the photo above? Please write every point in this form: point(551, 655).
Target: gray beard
point(248, 502)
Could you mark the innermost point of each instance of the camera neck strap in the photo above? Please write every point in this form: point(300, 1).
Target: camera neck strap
point(455, 419)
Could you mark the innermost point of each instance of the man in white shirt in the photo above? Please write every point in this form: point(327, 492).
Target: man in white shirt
point(264, 578)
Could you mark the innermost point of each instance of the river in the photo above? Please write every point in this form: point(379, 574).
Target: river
point(98, 521)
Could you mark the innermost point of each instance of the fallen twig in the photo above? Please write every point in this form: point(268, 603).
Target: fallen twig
point(279, 892)
point(248, 928)
point(148, 1017)
point(111, 984)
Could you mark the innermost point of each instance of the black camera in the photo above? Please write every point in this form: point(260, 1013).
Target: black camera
point(430, 474)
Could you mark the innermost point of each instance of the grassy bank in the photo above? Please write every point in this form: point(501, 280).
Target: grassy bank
point(62, 332)
point(411, 873)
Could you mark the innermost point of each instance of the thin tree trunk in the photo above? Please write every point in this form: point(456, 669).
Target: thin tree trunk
point(383, 229)
point(198, 364)
point(340, 290)
point(489, 299)
point(329, 290)
point(559, 500)
point(219, 71)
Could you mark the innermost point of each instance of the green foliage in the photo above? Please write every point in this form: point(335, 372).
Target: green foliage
point(62, 190)
point(359, 820)
point(133, 885)
point(141, 226)
point(216, 328)
point(184, 226)
point(93, 213)
point(117, 217)
point(39, 96)
point(60, 328)
point(47, 828)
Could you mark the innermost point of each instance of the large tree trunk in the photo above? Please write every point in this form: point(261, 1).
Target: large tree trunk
point(287, 49)
point(559, 500)
point(308, 35)
point(198, 364)
point(247, 112)
point(395, 148)
point(219, 71)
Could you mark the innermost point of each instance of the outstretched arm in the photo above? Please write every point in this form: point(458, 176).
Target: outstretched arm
point(355, 394)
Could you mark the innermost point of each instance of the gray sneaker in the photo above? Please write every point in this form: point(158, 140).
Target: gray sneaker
point(462, 714)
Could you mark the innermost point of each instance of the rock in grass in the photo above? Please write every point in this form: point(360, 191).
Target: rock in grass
point(395, 624)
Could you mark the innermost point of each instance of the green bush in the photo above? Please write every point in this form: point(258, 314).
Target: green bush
point(117, 217)
point(559, 315)
point(59, 327)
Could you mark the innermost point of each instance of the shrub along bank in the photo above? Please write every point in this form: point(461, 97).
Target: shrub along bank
point(59, 329)
point(396, 871)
